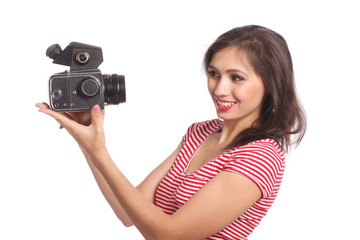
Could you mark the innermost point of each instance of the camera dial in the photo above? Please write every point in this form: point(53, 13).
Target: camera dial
point(53, 51)
point(82, 57)
point(56, 94)
point(89, 87)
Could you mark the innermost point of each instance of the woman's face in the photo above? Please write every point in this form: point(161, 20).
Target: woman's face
point(234, 87)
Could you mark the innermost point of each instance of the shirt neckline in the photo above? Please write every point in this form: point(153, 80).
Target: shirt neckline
point(219, 123)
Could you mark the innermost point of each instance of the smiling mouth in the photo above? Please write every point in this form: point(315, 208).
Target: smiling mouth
point(224, 105)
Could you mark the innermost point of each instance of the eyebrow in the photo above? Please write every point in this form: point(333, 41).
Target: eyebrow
point(229, 70)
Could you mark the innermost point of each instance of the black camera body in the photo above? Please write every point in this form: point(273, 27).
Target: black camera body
point(84, 85)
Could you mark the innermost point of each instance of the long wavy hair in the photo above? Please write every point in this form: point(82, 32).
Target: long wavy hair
point(282, 117)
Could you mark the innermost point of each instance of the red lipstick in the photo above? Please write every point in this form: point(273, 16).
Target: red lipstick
point(223, 105)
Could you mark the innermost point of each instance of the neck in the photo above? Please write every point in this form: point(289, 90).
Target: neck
point(230, 130)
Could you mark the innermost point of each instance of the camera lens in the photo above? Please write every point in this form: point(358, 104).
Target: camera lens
point(114, 89)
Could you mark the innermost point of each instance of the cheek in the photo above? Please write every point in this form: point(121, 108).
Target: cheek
point(252, 94)
point(257, 94)
point(211, 86)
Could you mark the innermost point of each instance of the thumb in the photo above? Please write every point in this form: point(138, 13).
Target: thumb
point(97, 116)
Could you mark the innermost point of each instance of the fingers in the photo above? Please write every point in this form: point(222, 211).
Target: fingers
point(89, 137)
point(97, 117)
point(65, 119)
point(42, 105)
point(62, 118)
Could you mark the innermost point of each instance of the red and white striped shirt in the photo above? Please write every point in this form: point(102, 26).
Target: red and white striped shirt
point(261, 161)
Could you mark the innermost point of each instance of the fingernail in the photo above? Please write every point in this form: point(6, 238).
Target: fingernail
point(96, 108)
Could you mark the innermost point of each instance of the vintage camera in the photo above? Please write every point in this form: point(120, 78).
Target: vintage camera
point(83, 86)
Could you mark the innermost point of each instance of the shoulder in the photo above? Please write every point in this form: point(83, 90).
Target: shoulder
point(203, 128)
point(208, 124)
point(266, 149)
point(262, 161)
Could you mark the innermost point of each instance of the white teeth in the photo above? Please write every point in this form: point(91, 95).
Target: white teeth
point(224, 104)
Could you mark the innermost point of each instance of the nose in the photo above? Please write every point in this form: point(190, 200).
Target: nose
point(223, 87)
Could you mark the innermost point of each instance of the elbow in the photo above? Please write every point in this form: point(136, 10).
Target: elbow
point(125, 220)
point(164, 232)
point(164, 237)
point(127, 224)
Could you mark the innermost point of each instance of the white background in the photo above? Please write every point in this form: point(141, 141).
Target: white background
point(46, 188)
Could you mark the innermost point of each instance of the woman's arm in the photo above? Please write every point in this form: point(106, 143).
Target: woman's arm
point(107, 192)
point(212, 208)
point(146, 187)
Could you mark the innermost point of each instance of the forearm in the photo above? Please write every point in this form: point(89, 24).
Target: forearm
point(107, 192)
point(149, 219)
point(143, 213)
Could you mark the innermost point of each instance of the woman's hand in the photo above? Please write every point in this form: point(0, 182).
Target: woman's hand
point(85, 127)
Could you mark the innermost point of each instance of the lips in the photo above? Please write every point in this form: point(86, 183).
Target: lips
point(223, 105)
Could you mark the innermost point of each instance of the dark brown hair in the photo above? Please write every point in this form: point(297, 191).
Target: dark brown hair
point(282, 117)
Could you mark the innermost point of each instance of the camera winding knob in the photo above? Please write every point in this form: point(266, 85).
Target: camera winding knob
point(89, 87)
point(82, 57)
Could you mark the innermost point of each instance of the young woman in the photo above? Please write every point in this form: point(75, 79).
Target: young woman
point(225, 174)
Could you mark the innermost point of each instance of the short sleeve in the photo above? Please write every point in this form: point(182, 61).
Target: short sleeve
point(199, 131)
point(188, 133)
point(262, 161)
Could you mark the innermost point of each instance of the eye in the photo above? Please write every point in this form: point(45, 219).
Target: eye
point(237, 78)
point(213, 73)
